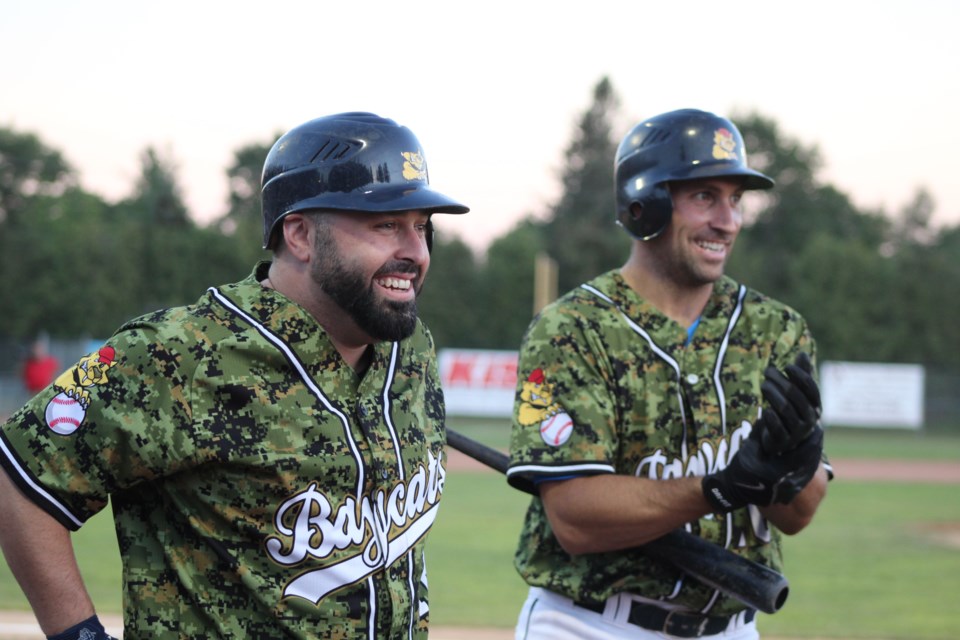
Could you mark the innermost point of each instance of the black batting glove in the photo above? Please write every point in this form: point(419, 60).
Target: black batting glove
point(793, 409)
point(752, 477)
point(804, 459)
point(89, 629)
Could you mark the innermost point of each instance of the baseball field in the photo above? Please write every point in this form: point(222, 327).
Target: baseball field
point(881, 562)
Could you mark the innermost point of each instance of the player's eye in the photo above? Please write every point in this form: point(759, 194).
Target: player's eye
point(703, 196)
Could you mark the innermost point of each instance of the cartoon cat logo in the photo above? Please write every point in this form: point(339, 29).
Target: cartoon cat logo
point(537, 407)
point(414, 165)
point(66, 411)
point(724, 144)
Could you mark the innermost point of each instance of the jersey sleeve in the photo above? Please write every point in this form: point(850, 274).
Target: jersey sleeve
point(119, 416)
point(564, 419)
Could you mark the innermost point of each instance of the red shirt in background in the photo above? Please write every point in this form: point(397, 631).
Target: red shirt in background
point(39, 372)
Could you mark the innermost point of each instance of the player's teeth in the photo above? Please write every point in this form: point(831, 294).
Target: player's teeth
point(394, 283)
point(712, 246)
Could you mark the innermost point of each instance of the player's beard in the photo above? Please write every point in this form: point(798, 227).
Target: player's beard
point(353, 292)
point(677, 264)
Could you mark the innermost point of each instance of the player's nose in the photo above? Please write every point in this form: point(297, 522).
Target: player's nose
point(412, 243)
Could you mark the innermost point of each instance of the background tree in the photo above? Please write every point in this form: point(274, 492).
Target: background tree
point(508, 283)
point(157, 228)
point(581, 232)
point(873, 286)
point(797, 210)
point(28, 168)
point(449, 303)
point(243, 220)
point(58, 271)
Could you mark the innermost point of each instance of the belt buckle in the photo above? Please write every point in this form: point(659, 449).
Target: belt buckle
point(681, 624)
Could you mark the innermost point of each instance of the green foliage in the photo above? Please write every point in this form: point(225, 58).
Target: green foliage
point(581, 230)
point(73, 265)
point(448, 302)
point(56, 267)
point(157, 196)
point(243, 177)
point(874, 286)
point(28, 168)
point(795, 213)
point(508, 278)
point(870, 285)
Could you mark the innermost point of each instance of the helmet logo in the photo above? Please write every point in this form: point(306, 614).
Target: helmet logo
point(414, 165)
point(724, 145)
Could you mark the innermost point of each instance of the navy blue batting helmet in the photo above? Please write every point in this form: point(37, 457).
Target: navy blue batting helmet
point(353, 161)
point(680, 145)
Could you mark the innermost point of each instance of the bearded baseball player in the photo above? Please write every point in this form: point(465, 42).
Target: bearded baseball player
point(663, 395)
point(274, 452)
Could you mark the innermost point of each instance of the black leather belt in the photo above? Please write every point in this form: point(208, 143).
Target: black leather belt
point(673, 623)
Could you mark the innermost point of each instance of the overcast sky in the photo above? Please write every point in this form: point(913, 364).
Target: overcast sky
point(492, 89)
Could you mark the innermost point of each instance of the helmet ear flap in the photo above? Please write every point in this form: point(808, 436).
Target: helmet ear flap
point(429, 236)
point(648, 217)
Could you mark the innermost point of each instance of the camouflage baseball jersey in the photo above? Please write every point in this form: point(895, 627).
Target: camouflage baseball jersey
point(607, 385)
point(260, 487)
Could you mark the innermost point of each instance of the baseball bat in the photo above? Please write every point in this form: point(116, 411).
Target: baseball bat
point(749, 582)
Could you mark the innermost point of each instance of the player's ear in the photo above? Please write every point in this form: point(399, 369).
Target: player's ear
point(297, 237)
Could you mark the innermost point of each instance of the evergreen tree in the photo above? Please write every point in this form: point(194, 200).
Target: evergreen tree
point(157, 227)
point(581, 231)
point(449, 303)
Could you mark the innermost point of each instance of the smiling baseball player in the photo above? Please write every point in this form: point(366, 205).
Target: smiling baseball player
point(638, 401)
point(273, 453)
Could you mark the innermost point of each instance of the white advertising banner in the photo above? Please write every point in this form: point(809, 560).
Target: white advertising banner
point(866, 394)
point(478, 382)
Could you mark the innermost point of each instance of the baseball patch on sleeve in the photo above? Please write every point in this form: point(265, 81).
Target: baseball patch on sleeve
point(537, 407)
point(66, 410)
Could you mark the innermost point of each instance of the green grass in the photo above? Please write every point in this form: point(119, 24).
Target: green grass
point(492, 432)
point(864, 569)
point(841, 442)
point(891, 444)
point(867, 568)
point(470, 552)
point(96, 548)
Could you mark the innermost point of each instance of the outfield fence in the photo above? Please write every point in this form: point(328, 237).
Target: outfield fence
point(941, 386)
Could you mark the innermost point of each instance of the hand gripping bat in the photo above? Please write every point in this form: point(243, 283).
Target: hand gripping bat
point(749, 582)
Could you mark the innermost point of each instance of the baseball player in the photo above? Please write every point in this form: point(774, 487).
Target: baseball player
point(658, 396)
point(274, 452)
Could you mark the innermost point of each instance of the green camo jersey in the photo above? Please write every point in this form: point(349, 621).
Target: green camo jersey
point(260, 487)
point(606, 384)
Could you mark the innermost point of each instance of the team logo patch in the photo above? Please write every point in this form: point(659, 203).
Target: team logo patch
point(65, 412)
point(414, 165)
point(537, 407)
point(724, 144)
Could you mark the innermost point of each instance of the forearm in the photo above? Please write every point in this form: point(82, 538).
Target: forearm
point(40, 554)
point(794, 517)
point(610, 512)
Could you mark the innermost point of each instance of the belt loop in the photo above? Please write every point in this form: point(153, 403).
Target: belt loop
point(617, 610)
